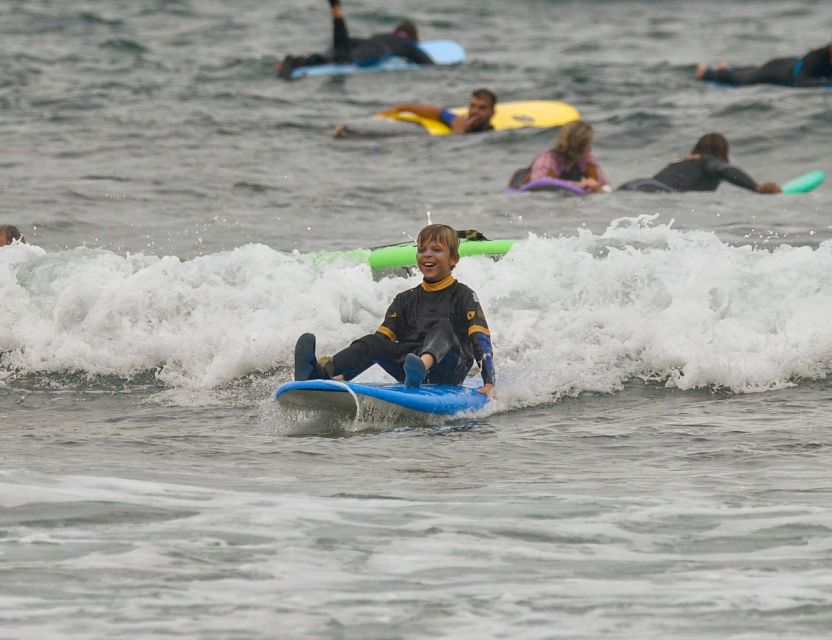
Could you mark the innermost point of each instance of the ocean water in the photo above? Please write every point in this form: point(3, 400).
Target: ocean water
point(657, 462)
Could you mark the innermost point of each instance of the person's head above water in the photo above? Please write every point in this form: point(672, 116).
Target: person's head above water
point(406, 29)
point(574, 140)
point(437, 251)
point(9, 233)
point(481, 108)
point(712, 144)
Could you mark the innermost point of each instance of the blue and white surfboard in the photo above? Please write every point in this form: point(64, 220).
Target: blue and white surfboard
point(356, 401)
point(442, 52)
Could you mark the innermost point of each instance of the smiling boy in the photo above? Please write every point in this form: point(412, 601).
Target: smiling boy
point(433, 332)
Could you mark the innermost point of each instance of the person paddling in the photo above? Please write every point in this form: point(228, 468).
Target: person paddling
point(403, 41)
point(703, 169)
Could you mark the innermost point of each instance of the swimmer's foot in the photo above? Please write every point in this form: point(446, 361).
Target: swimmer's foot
point(701, 69)
point(414, 370)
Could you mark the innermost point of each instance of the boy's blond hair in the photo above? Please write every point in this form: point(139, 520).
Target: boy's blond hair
point(440, 234)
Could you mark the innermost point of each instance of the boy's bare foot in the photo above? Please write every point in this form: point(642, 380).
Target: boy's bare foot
point(701, 68)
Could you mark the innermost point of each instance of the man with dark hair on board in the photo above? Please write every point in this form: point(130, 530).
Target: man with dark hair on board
point(703, 169)
point(431, 333)
point(480, 112)
point(9, 233)
point(812, 70)
point(402, 42)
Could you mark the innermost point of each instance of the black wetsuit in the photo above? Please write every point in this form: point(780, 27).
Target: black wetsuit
point(365, 51)
point(444, 319)
point(813, 69)
point(692, 174)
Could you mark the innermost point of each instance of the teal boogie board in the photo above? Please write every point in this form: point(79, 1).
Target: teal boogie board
point(356, 401)
point(442, 52)
point(806, 182)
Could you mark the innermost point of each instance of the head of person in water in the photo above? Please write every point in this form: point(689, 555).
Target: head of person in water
point(481, 107)
point(574, 141)
point(9, 233)
point(712, 144)
point(406, 29)
point(437, 251)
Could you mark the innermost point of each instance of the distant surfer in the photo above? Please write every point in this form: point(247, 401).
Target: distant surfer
point(433, 332)
point(402, 42)
point(570, 160)
point(813, 69)
point(703, 169)
point(9, 233)
point(481, 106)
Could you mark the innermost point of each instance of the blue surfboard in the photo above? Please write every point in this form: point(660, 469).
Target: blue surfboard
point(356, 401)
point(442, 52)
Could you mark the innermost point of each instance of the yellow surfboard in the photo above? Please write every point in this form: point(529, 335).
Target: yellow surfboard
point(508, 115)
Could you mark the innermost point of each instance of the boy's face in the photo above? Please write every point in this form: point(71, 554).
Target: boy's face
point(435, 261)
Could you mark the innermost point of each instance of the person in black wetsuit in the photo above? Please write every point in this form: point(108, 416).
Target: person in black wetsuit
point(402, 42)
point(812, 70)
point(703, 170)
point(432, 332)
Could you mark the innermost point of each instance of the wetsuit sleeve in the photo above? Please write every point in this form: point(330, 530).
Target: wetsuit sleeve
point(476, 327)
point(729, 172)
point(390, 325)
point(340, 40)
point(447, 117)
point(413, 52)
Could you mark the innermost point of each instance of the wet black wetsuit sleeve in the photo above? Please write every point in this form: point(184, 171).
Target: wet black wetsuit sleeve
point(814, 68)
point(476, 328)
point(340, 41)
point(413, 52)
point(734, 175)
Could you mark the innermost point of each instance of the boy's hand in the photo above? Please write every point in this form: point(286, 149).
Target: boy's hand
point(487, 389)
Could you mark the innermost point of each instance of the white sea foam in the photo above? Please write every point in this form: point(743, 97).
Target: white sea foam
point(569, 314)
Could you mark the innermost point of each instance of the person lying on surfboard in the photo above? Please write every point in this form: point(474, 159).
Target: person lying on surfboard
point(480, 111)
point(570, 160)
point(703, 169)
point(402, 42)
point(813, 69)
point(433, 332)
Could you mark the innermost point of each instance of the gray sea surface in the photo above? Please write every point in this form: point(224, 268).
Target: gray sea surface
point(657, 461)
